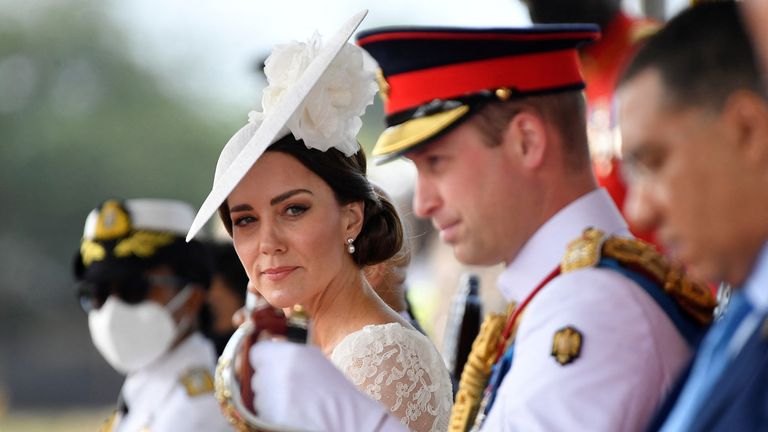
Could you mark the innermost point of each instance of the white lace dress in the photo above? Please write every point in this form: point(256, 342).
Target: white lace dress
point(400, 368)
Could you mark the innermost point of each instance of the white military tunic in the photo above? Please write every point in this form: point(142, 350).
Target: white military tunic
point(631, 351)
point(171, 394)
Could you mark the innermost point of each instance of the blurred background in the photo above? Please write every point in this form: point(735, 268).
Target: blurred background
point(107, 98)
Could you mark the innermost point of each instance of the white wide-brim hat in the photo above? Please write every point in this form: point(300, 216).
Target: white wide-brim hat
point(250, 142)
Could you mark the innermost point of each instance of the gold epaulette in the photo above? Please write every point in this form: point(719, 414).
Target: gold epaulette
point(477, 370)
point(695, 299)
point(197, 382)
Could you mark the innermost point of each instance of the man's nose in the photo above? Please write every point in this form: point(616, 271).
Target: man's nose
point(426, 200)
point(640, 205)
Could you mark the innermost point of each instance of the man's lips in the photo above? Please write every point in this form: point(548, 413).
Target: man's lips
point(448, 231)
point(275, 274)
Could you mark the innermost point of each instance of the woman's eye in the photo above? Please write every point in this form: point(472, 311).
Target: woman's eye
point(244, 220)
point(296, 210)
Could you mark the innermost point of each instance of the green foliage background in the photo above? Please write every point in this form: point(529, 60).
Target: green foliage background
point(79, 122)
point(82, 121)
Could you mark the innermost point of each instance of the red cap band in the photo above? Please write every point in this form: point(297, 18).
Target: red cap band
point(524, 73)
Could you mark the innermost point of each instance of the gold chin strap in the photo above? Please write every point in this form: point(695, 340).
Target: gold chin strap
point(477, 371)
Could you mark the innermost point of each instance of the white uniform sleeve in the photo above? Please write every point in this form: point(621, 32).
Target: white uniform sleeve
point(630, 355)
point(199, 413)
point(296, 386)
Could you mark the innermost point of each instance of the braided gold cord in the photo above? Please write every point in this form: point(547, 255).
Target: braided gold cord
point(694, 298)
point(477, 370)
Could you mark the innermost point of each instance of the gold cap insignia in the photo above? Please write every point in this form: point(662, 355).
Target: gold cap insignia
point(91, 252)
point(113, 221)
point(384, 87)
point(566, 345)
point(142, 244)
point(197, 382)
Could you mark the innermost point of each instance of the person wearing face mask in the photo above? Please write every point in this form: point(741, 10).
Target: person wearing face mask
point(144, 290)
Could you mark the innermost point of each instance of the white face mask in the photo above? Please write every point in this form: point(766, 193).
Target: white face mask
point(132, 336)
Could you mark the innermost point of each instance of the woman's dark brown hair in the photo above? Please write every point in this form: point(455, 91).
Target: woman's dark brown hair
point(382, 234)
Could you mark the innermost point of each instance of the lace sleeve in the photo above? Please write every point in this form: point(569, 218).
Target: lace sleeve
point(401, 369)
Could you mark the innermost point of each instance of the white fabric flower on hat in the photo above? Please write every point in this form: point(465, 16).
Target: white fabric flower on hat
point(330, 114)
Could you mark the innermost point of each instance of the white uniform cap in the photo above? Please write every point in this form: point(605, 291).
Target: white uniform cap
point(149, 214)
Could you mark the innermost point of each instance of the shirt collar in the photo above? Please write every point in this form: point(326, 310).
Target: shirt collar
point(756, 285)
point(545, 249)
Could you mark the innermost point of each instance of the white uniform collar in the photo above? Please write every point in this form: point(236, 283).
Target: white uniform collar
point(150, 387)
point(545, 249)
point(757, 282)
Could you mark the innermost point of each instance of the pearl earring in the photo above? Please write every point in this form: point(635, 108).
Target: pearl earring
point(350, 246)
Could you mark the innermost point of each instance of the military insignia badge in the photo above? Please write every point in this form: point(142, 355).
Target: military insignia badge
point(566, 345)
point(197, 382)
point(113, 221)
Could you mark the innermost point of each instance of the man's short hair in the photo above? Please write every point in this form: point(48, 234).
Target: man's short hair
point(703, 55)
point(565, 112)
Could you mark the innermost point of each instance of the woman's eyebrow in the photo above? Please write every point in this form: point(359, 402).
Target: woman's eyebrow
point(284, 196)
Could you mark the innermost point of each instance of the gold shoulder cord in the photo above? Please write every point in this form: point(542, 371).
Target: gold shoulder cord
point(477, 371)
point(695, 299)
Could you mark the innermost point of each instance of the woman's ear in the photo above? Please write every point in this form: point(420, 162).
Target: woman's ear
point(525, 139)
point(352, 218)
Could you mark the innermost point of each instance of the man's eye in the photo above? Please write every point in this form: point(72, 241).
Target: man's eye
point(435, 161)
point(244, 220)
point(296, 210)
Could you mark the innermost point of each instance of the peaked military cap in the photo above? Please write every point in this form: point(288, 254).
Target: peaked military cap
point(125, 237)
point(433, 78)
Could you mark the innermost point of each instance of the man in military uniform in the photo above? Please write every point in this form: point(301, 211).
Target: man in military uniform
point(601, 325)
point(143, 288)
point(494, 121)
point(694, 116)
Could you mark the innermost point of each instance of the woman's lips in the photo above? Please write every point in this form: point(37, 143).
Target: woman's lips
point(277, 273)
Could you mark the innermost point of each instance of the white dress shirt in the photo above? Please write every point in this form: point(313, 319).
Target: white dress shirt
point(631, 352)
point(158, 401)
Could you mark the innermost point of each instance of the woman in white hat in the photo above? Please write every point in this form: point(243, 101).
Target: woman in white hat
point(291, 189)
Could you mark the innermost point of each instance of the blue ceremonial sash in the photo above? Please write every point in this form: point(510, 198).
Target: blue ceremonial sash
point(498, 372)
point(691, 332)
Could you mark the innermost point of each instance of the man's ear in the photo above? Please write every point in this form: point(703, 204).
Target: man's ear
point(352, 218)
point(747, 112)
point(525, 138)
